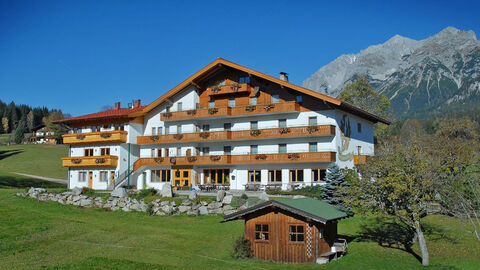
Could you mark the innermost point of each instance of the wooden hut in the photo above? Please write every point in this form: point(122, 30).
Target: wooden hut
point(291, 230)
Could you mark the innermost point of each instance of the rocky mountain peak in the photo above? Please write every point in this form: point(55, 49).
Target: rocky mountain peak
point(416, 75)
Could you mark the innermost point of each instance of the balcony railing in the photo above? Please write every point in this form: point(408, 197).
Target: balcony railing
point(301, 131)
point(114, 136)
point(228, 88)
point(359, 159)
point(90, 161)
point(231, 111)
point(304, 157)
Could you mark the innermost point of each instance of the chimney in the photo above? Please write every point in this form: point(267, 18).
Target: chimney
point(136, 103)
point(284, 76)
point(117, 105)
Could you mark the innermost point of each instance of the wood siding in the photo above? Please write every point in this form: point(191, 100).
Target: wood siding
point(279, 247)
point(114, 136)
point(90, 161)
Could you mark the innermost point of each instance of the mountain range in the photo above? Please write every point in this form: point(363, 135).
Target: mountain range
point(420, 77)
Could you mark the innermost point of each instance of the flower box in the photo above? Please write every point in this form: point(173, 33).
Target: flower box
point(100, 160)
point(192, 159)
point(284, 130)
point(204, 135)
point(178, 136)
point(105, 135)
point(261, 156)
point(293, 156)
point(255, 132)
point(77, 161)
point(215, 158)
point(158, 160)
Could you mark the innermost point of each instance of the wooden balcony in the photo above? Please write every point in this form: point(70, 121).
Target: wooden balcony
point(238, 159)
point(285, 158)
point(91, 161)
point(192, 160)
point(319, 130)
point(114, 136)
point(229, 88)
point(359, 159)
point(231, 111)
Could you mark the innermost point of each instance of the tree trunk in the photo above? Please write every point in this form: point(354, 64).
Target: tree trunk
point(422, 243)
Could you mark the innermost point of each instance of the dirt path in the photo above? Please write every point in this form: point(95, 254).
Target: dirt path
point(60, 181)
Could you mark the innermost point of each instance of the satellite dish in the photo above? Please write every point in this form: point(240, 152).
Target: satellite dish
point(256, 89)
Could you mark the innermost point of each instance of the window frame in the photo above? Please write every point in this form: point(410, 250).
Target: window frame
point(296, 233)
point(319, 172)
point(232, 103)
point(280, 147)
point(253, 101)
point(359, 127)
point(254, 176)
point(105, 151)
point(267, 232)
point(275, 99)
point(275, 176)
point(312, 146)
point(296, 176)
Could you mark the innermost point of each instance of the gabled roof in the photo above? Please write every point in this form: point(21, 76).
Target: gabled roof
point(218, 62)
point(112, 113)
point(307, 207)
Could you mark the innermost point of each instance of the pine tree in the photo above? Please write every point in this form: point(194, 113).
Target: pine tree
point(332, 193)
point(19, 133)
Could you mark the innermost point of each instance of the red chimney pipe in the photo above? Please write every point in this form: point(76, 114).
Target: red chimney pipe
point(117, 105)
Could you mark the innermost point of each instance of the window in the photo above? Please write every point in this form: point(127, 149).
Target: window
point(88, 152)
point(253, 149)
point(179, 106)
point(158, 176)
point(167, 130)
point(244, 80)
point(254, 176)
point(112, 177)
point(159, 152)
point(179, 129)
point(231, 102)
point(297, 233)
point(105, 151)
point(160, 130)
point(206, 151)
point(253, 124)
point(152, 153)
point(312, 147)
point(206, 128)
point(261, 232)
point(312, 121)
point(168, 108)
point(227, 126)
point(253, 101)
point(282, 148)
point(82, 176)
point(296, 175)
point(359, 150)
point(103, 176)
point(216, 176)
point(275, 99)
point(179, 152)
point(359, 127)
point(299, 99)
point(227, 150)
point(211, 104)
point(154, 131)
point(282, 123)
point(319, 175)
point(275, 176)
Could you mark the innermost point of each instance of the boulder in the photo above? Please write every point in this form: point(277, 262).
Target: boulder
point(192, 212)
point(167, 209)
point(120, 193)
point(76, 191)
point(220, 195)
point(187, 202)
point(183, 208)
point(264, 197)
point(203, 210)
point(163, 203)
point(86, 202)
point(193, 195)
point(227, 208)
point(167, 190)
point(229, 212)
point(203, 203)
point(227, 199)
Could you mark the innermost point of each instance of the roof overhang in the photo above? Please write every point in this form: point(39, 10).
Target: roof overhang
point(274, 203)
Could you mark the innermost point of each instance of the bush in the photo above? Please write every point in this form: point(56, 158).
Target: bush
point(244, 196)
point(150, 211)
point(241, 248)
point(145, 193)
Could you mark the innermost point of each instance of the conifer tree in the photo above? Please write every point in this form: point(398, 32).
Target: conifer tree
point(332, 191)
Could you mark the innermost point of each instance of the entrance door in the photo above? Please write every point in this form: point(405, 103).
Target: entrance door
point(181, 178)
point(112, 177)
point(90, 180)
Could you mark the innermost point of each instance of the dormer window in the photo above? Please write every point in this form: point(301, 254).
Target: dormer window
point(299, 99)
point(179, 106)
point(244, 80)
point(211, 104)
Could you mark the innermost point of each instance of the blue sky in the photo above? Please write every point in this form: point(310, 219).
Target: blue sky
point(81, 55)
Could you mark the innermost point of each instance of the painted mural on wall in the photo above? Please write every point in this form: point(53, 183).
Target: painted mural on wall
point(345, 132)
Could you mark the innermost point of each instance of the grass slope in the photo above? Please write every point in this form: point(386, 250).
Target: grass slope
point(42, 160)
point(49, 235)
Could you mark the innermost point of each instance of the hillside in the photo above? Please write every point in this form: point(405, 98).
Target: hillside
point(435, 75)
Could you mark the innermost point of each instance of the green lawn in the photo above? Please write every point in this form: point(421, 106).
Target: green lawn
point(49, 235)
point(42, 160)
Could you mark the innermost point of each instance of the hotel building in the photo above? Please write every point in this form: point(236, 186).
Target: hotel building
point(225, 127)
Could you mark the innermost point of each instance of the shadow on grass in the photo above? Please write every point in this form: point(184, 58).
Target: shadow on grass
point(7, 153)
point(388, 233)
point(7, 181)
